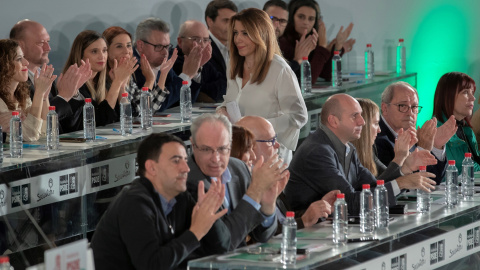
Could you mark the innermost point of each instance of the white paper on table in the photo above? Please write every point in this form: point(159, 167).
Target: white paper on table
point(233, 111)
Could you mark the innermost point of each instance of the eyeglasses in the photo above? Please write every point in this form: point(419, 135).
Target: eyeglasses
point(270, 142)
point(205, 150)
point(282, 22)
point(199, 40)
point(158, 47)
point(403, 108)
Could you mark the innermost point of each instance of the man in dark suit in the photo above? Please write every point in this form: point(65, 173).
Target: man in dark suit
point(327, 160)
point(217, 17)
point(155, 224)
point(34, 41)
point(399, 111)
point(250, 202)
point(266, 146)
point(213, 84)
point(152, 39)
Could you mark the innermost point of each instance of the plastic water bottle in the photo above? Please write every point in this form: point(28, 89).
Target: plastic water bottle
point(125, 115)
point(340, 225)
point(423, 197)
point(1, 145)
point(451, 184)
point(5, 263)
point(369, 64)
point(336, 69)
point(88, 120)
point(289, 239)
point(185, 103)
point(401, 57)
point(16, 137)
point(146, 108)
point(53, 138)
point(306, 76)
point(468, 177)
point(381, 206)
point(367, 210)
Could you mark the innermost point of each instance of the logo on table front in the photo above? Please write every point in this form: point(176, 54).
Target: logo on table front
point(458, 247)
point(399, 263)
point(2, 198)
point(124, 173)
point(63, 185)
point(95, 177)
point(421, 262)
point(476, 235)
point(105, 178)
point(73, 183)
point(384, 266)
point(47, 192)
point(26, 194)
point(470, 241)
point(16, 196)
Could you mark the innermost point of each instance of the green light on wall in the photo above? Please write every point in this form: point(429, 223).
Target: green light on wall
point(438, 47)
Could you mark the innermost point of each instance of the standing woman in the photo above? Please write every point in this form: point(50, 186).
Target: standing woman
point(306, 35)
point(91, 46)
point(15, 94)
point(454, 96)
point(120, 50)
point(260, 81)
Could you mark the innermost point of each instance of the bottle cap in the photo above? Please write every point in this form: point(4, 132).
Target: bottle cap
point(451, 162)
point(369, 45)
point(400, 40)
point(380, 182)
point(340, 196)
point(14, 113)
point(365, 186)
point(184, 82)
point(51, 108)
point(4, 259)
point(88, 100)
point(305, 58)
point(469, 155)
point(144, 88)
point(422, 168)
point(290, 214)
point(336, 53)
point(124, 94)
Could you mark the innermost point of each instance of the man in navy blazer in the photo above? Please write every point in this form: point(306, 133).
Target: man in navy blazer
point(217, 17)
point(152, 39)
point(250, 200)
point(327, 160)
point(213, 83)
point(400, 107)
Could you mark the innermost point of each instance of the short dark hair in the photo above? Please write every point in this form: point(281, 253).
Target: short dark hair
point(277, 3)
point(151, 147)
point(212, 8)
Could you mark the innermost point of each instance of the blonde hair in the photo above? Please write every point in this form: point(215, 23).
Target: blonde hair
point(81, 42)
point(363, 144)
point(260, 30)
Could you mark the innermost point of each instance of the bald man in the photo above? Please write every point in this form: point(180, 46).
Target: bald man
point(213, 85)
point(34, 41)
point(263, 132)
point(327, 160)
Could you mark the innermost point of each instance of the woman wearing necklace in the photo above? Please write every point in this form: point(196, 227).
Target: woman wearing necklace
point(454, 96)
point(260, 81)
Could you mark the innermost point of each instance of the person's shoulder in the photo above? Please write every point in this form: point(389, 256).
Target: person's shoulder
point(237, 164)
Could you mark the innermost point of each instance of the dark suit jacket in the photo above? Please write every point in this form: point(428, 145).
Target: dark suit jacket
point(217, 60)
point(316, 170)
point(173, 83)
point(134, 232)
point(385, 144)
point(213, 82)
point(63, 108)
point(244, 218)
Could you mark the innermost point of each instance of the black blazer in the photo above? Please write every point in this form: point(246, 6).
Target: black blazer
point(217, 60)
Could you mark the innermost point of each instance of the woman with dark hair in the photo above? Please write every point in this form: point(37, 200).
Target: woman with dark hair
point(120, 51)
point(91, 46)
point(455, 96)
point(306, 36)
point(259, 80)
point(242, 145)
point(15, 94)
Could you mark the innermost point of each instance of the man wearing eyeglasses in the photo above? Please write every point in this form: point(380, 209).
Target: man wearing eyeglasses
point(152, 39)
point(400, 108)
point(213, 85)
point(277, 10)
point(250, 199)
